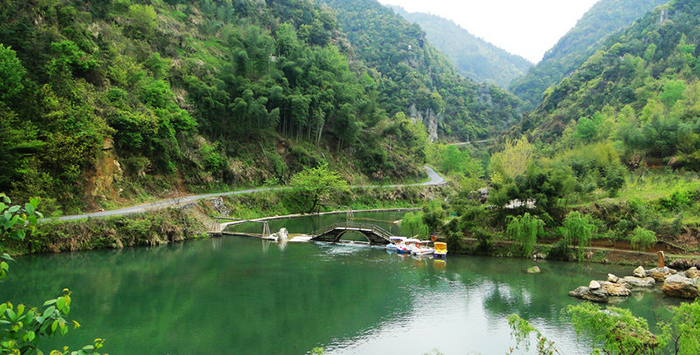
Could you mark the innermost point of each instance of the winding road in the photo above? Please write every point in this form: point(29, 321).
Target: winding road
point(435, 179)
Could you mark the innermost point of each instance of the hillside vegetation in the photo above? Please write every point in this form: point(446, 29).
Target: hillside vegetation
point(612, 151)
point(603, 19)
point(110, 102)
point(473, 57)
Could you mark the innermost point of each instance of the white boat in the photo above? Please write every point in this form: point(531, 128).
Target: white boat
point(407, 246)
point(422, 248)
point(395, 241)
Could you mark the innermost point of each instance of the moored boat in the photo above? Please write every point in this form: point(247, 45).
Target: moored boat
point(422, 248)
point(395, 241)
point(407, 246)
point(440, 250)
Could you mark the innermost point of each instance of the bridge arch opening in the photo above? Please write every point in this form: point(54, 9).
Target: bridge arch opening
point(353, 236)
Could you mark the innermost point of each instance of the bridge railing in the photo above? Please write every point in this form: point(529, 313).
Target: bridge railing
point(375, 228)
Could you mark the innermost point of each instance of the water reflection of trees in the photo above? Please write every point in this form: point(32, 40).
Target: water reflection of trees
point(194, 298)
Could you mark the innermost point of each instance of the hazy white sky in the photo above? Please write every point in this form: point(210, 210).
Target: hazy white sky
point(524, 27)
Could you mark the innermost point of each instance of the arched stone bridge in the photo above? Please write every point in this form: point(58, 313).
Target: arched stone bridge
point(333, 233)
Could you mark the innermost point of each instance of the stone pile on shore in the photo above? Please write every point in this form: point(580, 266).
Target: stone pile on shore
point(684, 284)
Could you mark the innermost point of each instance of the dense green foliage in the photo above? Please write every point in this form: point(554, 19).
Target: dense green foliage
point(413, 77)
point(472, 56)
point(412, 225)
point(603, 19)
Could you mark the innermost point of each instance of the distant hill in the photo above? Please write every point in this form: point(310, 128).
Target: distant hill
point(603, 19)
point(472, 56)
point(416, 79)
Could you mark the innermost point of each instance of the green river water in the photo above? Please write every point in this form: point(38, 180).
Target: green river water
point(237, 295)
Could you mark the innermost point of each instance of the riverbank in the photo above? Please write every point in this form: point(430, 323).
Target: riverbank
point(192, 220)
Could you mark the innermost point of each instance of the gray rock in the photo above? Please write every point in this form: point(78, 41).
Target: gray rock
point(578, 292)
point(639, 272)
point(679, 286)
point(534, 270)
point(598, 296)
point(631, 281)
point(594, 285)
point(612, 278)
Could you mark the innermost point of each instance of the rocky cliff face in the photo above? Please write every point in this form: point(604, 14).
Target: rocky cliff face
point(107, 172)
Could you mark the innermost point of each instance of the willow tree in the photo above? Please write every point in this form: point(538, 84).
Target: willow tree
point(524, 231)
point(642, 238)
point(580, 229)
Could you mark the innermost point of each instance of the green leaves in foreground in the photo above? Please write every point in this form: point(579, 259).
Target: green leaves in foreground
point(521, 330)
point(21, 328)
point(616, 329)
point(16, 220)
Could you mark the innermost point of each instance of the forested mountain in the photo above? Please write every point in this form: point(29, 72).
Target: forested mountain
point(413, 77)
point(472, 56)
point(109, 101)
point(641, 92)
point(572, 50)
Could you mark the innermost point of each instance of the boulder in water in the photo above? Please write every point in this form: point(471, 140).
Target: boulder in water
point(680, 286)
point(660, 274)
point(631, 281)
point(534, 270)
point(639, 272)
point(615, 290)
point(600, 292)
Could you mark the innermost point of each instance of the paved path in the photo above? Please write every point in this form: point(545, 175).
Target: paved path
point(435, 179)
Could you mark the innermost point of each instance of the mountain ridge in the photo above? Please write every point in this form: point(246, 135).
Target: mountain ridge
point(603, 19)
point(474, 57)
